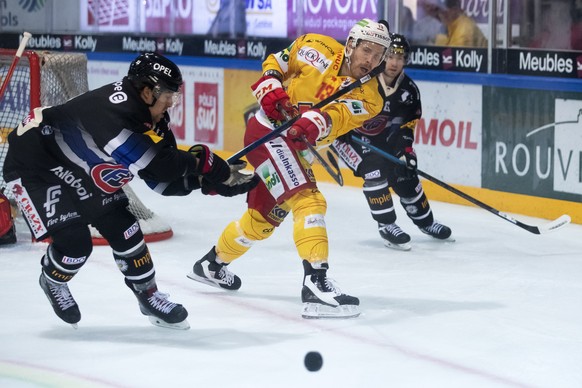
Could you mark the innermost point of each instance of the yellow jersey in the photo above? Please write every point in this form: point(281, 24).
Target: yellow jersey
point(310, 67)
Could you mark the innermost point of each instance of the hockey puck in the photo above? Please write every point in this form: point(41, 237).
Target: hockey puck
point(313, 361)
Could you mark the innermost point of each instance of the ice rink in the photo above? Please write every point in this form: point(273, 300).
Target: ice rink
point(500, 307)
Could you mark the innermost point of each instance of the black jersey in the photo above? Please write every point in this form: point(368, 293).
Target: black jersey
point(401, 111)
point(392, 130)
point(103, 132)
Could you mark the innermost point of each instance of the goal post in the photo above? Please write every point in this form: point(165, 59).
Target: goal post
point(45, 78)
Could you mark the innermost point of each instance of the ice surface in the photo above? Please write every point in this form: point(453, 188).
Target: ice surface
point(500, 307)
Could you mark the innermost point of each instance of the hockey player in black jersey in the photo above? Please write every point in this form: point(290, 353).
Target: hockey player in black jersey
point(66, 166)
point(392, 131)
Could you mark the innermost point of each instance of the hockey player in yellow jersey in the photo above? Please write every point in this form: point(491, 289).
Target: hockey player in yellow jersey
point(313, 67)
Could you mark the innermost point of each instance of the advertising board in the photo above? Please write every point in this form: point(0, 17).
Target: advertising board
point(533, 143)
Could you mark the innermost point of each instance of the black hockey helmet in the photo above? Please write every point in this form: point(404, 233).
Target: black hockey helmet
point(399, 45)
point(155, 70)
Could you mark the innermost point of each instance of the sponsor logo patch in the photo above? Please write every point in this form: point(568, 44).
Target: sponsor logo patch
point(314, 58)
point(372, 175)
point(73, 260)
point(356, 107)
point(118, 97)
point(314, 221)
point(271, 178)
point(131, 230)
point(52, 198)
point(25, 204)
point(284, 157)
point(277, 214)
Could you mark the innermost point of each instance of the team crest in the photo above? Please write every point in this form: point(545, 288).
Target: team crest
point(110, 177)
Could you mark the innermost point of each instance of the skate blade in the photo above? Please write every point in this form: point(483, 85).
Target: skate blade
point(399, 247)
point(74, 325)
point(184, 325)
point(448, 239)
point(319, 311)
point(204, 280)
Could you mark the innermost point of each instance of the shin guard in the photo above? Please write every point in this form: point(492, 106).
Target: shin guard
point(418, 210)
point(309, 229)
point(136, 263)
point(380, 201)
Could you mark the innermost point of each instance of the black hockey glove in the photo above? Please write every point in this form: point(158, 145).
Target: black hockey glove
point(409, 158)
point(237, 183)
point(211, 166)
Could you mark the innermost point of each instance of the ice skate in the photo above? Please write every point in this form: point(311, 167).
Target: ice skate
point(394, 237)
point(61, 299)
point(208, 271)
point(438, 231)
point(156, 306)
point(322, 298)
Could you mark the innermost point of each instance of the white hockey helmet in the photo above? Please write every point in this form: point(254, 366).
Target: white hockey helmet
point(371, 31)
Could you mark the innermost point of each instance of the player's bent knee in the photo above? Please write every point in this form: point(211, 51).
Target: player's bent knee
point(253, 226)
point(68, 252)
point(239, 236)
point(307, 202)
point(375, 183)
point(73, 241)
point(60, 267)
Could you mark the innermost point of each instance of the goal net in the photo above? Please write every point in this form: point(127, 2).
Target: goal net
point(51, 78)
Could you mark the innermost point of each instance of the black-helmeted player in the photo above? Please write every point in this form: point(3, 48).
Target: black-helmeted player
point(66, 166)
point(392, 131)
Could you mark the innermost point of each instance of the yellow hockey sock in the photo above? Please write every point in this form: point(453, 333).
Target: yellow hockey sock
point(309, 230)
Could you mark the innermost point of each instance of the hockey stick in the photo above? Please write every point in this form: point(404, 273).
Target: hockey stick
point(542, 229)
point(25, 37)
point(277, 131)
point(337, 174)
point(331, 156)
point(335, 165)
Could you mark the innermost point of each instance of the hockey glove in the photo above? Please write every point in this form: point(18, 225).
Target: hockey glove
point(409, 158)
point(237, 183)
point(272, 97)
point(311, 126)
point(211, 166)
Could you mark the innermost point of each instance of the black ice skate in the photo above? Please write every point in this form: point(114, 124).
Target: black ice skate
point(208, 271)
point(61, 299)
point(438, 231)
point(156, 306)
point(322, 298)
point(394, 237)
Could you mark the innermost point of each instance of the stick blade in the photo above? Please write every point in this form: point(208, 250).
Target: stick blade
point(558, 223)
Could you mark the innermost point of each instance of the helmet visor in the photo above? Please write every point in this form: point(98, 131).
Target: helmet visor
point(169, 97)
